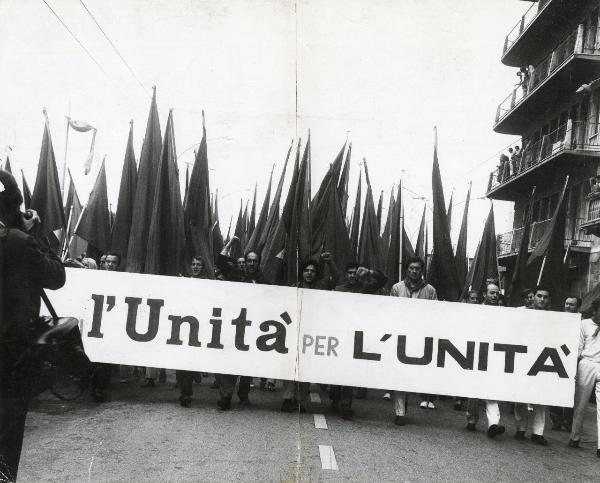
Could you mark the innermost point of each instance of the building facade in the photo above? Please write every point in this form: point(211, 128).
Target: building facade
point(555, 109)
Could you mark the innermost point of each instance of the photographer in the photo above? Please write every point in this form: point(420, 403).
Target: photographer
point(25, 270)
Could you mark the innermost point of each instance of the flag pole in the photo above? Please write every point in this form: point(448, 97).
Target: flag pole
point(401, 243)
point(64, 167)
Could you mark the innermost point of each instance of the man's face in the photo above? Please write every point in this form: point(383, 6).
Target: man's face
point(473, 298)
point(112, 263)
point(197, 267)
point(415, 271)
point(103, 262)
point(530, 299)
point(251, 262)
point(351, 276)
point(571, 305)
point(491, 294)
point(241, 263)
point(541, 300)
point(309, 274)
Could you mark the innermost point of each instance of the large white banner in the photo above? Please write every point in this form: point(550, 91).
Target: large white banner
point(324, 337)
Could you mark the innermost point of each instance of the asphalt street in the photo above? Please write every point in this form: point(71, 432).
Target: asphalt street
point(144, 435)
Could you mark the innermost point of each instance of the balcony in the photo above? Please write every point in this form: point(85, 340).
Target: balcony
point(591, 224)
point(570, 145)
point(574, 61)
point(508, 244)
point(536, 28)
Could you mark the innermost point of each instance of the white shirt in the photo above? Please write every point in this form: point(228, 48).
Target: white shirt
point(589, 346)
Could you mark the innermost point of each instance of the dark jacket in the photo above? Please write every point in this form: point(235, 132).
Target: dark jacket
point(27, 270)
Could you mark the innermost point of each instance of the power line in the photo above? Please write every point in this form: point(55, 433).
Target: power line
point(114, 48)
point(75, 38)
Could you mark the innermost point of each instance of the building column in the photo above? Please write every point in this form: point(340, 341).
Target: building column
point(579, 39)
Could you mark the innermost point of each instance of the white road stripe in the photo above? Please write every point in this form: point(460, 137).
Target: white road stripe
point(315, 398)
point(327, 455)
point(320, 421)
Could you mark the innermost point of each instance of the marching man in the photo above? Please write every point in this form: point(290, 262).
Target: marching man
point(588, 373)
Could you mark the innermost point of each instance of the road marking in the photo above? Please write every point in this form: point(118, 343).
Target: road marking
point(320, 421)
point(327, 455)
point(315, 398)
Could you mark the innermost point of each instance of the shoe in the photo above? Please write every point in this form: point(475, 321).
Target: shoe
point(495, 430)
point(215, 385)
point(424, 405)
point(400, 421)
point(387, 396)
point(471, 427)
point(287, 406)
point(520, 435)
point(123, 381)
point(224, 404)
point(148, 383)
point(539, 439)
point(430, 405)
point(347, 413)
point(252, 385)
point(185, 402)
point(573, 443)
point(244, 403)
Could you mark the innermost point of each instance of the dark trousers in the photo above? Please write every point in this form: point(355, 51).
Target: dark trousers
point(227, 384)
point(17, 386)
point(341, 395)
point(186, 380)
point(561, 417)
point(101, 377)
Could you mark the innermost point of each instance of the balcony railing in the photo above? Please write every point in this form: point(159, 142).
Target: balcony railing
point(529, 16)
point(576, 43)
point(510, 242)
point(578, 135)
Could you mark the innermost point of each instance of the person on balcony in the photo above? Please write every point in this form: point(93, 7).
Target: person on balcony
point(503, 168)
point(515, 160)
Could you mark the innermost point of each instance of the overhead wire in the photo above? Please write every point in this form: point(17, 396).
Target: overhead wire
point(75, 38)
point(146, 91)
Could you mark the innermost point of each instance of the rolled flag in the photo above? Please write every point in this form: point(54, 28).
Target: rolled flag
point(82, 126)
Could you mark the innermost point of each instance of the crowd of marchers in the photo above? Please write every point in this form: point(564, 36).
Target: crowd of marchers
point(322, 274)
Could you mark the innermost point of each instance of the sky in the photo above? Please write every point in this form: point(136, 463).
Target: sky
point(380, 73)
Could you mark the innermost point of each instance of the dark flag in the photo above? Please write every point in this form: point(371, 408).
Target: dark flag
point(47, 198)
point(197, 215)
point(261, 223)
point(7, 165)
point(355, 227)
point(94, 224)
point(420, 248)
point(546, 265)
point(76, 245)
point(461, 245)
point(449, 213)
point(299, 235)
point(276, 239)
point(239, 231)
point(379, 210)
point(518, 279)
point(252, 218)
point(369, 246)
point(166, 232)
point(26, 192)
point(442, 271)
point(273, 218)
point(332, 173)
point(217, 238)
point(144, 193)
point(343, 183)
point(485, 263)
point(122, 222)
point(387, 229)
point(393, 262)
point(187, 183)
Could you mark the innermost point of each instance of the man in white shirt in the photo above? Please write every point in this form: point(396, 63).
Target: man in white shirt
point(588, 374)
